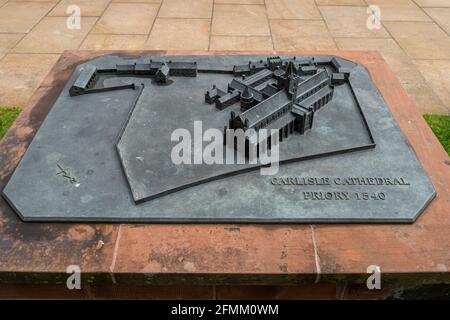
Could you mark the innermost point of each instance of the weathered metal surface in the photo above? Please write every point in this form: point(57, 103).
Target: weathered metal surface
point(80, 177)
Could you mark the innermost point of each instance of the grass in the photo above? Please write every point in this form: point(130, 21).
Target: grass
point(7, 117)
point(440, 124)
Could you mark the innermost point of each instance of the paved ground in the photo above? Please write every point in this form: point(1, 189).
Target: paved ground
point(414, 37)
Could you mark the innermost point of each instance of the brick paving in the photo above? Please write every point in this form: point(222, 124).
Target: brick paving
point(413, 38)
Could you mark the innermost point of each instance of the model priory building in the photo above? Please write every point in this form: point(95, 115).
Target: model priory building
point(278, 94)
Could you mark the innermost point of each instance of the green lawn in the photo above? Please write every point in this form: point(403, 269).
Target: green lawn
point(440, 124)
point(7, 117)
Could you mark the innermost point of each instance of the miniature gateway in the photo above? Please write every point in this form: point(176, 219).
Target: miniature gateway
point(104, 152)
